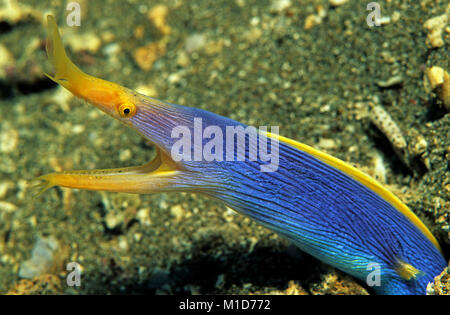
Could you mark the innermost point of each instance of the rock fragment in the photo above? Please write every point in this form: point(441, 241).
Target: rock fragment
point(435, 27)
point(42, 258)
point(7, 207)
point(391, 82)
point(441, 284)
point(9, 139)
point(84, 42)
point(336, 3)
point(146, 55)
point(439, 80)
point(158, 15)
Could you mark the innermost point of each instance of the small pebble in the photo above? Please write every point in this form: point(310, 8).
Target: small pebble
point(336, 3)
point(111, 49)
point(9, 139)
point(384, 20)
point(7, 207)
point(42, 258)
point(107, 36)
point(435, 76)
point(435, 27)
point(394, 81)
point(379, 170)
point(114, 220)
point(326, 144)
point(137, 237)
point(158, 15)
point(396, 16)
point(311, 21)
point(146, 55)
point(421, 145)
point(143, 215)
point(123, 243)
point(84, 42)
point(177, 211)
point(194, 42)
point(78, 129)
point(280, 5)
point(440, 81)
point(125, 155)
point(62, 97)
point(4, 187)
point(182, 59)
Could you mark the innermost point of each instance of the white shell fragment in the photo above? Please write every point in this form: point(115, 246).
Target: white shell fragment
point(384, 122)
point(42, 258)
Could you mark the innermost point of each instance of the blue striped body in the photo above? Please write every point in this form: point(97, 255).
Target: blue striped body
point(324, 211)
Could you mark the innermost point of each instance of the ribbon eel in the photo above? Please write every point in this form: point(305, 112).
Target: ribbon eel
point(326, 207)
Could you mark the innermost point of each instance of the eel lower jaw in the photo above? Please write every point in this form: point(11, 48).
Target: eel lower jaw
point(157, 175)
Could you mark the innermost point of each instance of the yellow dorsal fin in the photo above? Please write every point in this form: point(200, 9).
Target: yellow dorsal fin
point(65, 71)
point(407, 271)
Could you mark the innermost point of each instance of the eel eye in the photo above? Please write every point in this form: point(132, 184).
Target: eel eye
point(127, 110)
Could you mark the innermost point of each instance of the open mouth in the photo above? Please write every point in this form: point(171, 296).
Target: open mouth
point(153, 176)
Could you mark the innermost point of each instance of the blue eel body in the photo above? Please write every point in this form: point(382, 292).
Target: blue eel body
point(320, 208)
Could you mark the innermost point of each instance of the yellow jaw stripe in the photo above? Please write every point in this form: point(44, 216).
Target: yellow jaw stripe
point(364, 179)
